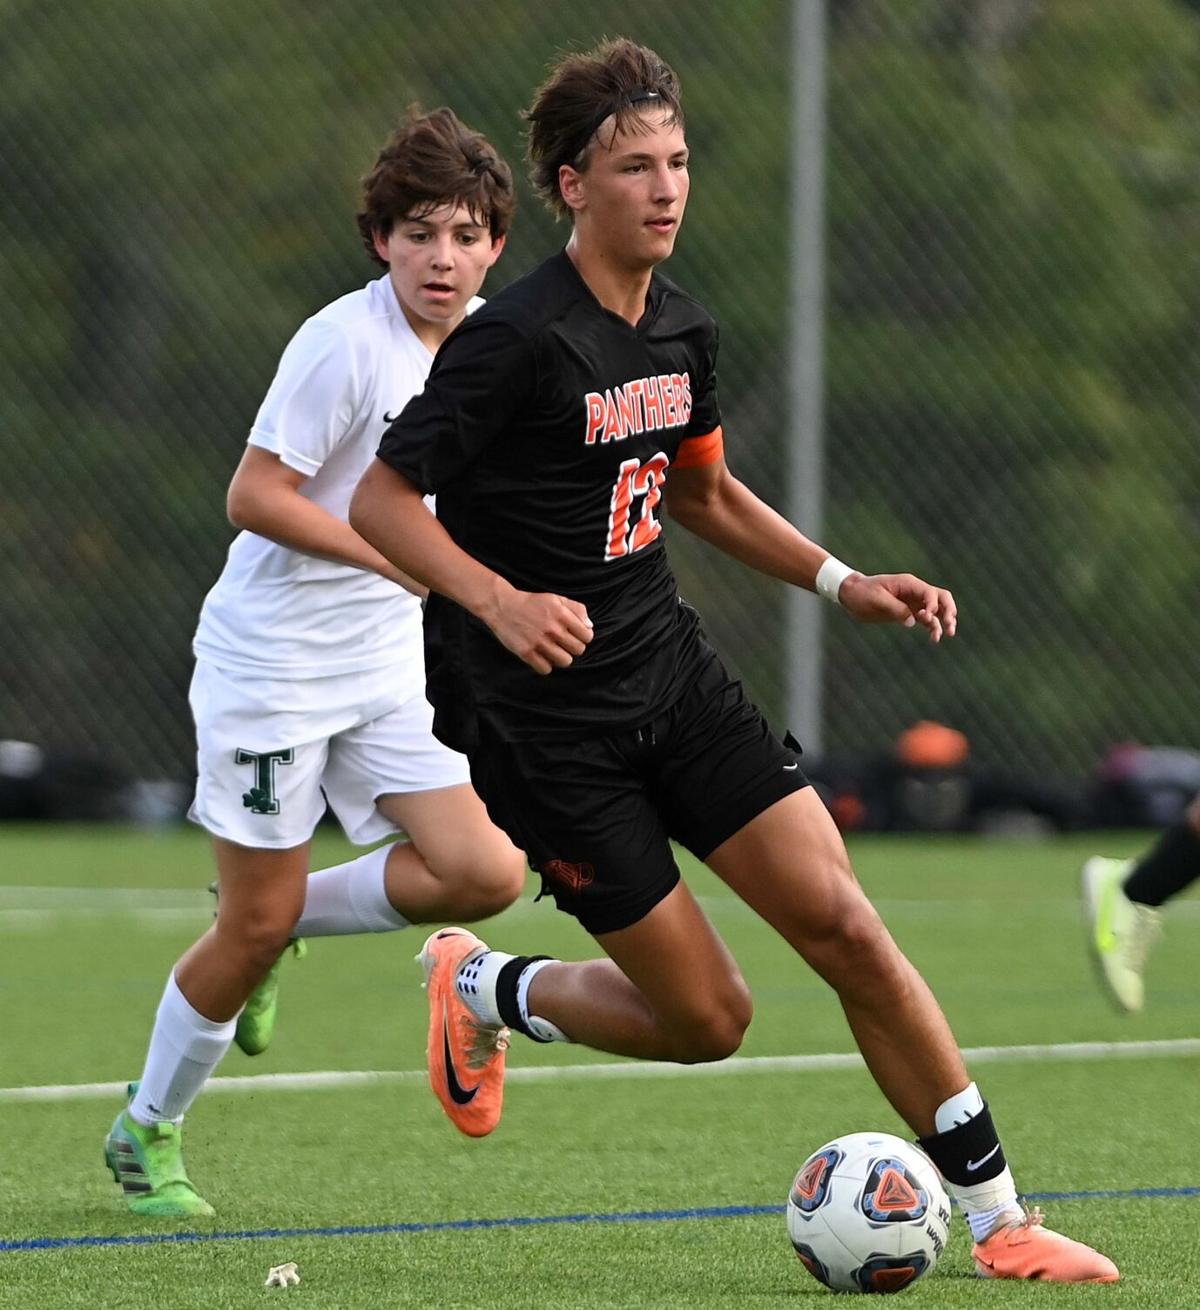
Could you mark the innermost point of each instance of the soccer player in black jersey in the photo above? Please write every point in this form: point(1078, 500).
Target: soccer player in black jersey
point(558, 423)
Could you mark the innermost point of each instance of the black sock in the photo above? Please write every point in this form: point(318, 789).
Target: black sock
point(1171, 865)
point(967, 1153)
point(506, 993)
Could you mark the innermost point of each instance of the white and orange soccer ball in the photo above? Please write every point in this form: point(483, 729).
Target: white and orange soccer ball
point(868, 1213)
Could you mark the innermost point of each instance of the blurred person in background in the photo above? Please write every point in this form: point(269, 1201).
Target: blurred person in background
point(1123, 900)
point(310, 680)
point(930, 782)
point(599, 722)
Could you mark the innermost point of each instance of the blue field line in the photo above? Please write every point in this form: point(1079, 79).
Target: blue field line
point(526, 1221)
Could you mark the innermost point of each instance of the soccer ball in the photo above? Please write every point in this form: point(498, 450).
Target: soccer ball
point(867, 1213)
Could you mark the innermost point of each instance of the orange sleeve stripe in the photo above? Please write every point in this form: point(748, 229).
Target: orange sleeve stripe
point(695, 452)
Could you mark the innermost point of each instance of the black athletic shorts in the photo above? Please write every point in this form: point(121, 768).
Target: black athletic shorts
point(594, 814)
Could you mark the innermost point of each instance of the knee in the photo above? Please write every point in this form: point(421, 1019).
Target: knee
point(718, 1032)
point(716, 1038)
point(860, 933)
point(259, 940)
point(484, 881)
point(853, 944)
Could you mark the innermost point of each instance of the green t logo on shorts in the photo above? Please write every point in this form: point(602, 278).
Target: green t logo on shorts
point(261, 798)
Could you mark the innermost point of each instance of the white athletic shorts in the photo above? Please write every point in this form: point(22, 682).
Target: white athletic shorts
point(271, 752)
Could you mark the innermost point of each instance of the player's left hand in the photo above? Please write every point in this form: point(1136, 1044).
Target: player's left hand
point(900, 598)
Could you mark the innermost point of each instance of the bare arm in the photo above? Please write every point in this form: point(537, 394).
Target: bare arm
point(264, 497)
point(544, 630)
point(713, 504)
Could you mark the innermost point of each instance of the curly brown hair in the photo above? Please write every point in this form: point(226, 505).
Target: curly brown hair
point(433, 160)
point(618, 78)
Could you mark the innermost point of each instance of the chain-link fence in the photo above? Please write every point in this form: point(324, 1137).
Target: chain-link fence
point(1012, 355)
point(1014, 366)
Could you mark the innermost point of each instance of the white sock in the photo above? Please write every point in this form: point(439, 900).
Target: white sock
point(983, 1204)
point(185, 1048)
point(475, 983)
point(350, 898)
point(543, 1028)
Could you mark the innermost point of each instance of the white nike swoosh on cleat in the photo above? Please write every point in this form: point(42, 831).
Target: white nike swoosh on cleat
point(787, 768)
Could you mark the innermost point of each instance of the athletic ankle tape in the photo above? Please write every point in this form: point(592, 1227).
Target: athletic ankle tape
point(969, 1153)
point(506, 993)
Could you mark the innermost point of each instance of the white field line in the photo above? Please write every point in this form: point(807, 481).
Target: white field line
point(31, 921)
point(42, 909)
point(1068, 1052)
point(103, 898)
point(159, 902)
point(165, 918)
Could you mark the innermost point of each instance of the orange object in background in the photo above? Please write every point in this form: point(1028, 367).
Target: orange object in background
point(929, 745)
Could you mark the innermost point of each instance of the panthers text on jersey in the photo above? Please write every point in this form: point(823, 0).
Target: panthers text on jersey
point(547, 429)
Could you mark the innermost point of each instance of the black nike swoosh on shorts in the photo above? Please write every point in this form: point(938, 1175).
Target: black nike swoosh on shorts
point(391, 418)
point(458, 1093)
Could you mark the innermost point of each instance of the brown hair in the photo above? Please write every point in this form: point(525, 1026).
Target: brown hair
point(431, 161)
point(617, 77)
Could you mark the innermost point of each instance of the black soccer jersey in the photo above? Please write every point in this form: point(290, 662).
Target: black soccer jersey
point(547, 428)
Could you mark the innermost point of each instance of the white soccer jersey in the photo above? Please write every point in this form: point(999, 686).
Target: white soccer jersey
point(274, 612)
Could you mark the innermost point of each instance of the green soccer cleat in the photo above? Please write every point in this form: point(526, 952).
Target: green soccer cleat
point(256, 1023)
point(148, 1164)
point(1120, 931)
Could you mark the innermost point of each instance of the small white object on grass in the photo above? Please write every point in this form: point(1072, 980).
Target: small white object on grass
point(283, 1275)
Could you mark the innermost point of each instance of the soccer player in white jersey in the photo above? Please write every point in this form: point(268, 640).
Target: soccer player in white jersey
point(310, 678)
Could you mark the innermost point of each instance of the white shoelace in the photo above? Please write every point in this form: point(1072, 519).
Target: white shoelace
point(484, 1042)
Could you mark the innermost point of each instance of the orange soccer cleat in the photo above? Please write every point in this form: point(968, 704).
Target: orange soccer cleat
point(1026, 1249)
point(466, 1056)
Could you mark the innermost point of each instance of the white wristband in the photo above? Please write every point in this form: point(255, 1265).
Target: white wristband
point(830, 577)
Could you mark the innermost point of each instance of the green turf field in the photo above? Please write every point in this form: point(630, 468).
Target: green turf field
point(92, 919)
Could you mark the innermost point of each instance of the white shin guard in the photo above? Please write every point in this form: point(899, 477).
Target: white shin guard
point(350, 898)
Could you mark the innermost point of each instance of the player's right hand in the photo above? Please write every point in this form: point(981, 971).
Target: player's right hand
point(546, 631)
